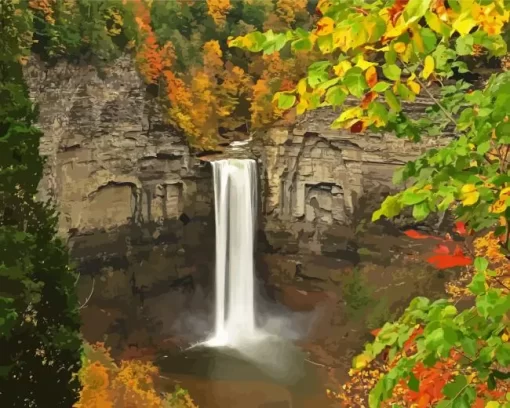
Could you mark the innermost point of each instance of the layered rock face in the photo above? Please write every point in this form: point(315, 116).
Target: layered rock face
point(137, 207)
point(134, 205)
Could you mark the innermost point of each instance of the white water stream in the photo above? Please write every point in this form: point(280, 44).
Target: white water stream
point(235, 197)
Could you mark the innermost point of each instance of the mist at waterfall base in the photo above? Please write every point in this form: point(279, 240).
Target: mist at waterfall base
point(259, 333)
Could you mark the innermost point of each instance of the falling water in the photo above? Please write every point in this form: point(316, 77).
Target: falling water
point(235, 197)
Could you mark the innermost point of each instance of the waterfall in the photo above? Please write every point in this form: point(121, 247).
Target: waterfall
point(235, 199)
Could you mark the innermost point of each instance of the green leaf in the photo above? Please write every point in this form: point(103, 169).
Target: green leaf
point(392, 71)
point(413, 383)
point(435, 339)
point(303, 44)
point(335, 96)
point(411, 198)
point(468, 346)
point(416, 9)
point(355, 81)
point(392, 101)
point(503, 354)
point(481, 264)
point(286, 101)
point(421, 211)
point(429, 39)
point(477, 285)
point(484, 147)
point(464, 45)
point(381, 86)
point(453, 389)
point(390, 208)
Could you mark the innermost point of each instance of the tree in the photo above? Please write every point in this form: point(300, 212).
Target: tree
point(39, 322)
point(376, 57)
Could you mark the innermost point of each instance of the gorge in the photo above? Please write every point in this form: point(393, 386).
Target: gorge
point(137, 210)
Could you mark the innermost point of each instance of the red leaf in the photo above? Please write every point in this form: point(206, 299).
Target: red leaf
point(375, 332)
point(479, 403)
point(416, 235)
point(458, 251)
point(442, 249)
point(449, 261)
point(460, 228)
point(357, 127)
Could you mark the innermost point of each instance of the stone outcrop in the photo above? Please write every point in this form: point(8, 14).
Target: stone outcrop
point(136, 207)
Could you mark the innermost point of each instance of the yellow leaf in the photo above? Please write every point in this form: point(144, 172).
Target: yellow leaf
point(382, 49)
point(469, 194)
point(417, 39)
point(325, 26)
point(434, 22)
point(505, 193)
point(342, 39)
point(341, 68)
point(351, 113)
point(301, 86)
point(400, 47)
point(361, 361)
point(498, 206)
point(414, 86)
point(505, 337)
point(428, 67)
point(397, 29)
point(301, 106)
point(363, 64)
point(464, 24)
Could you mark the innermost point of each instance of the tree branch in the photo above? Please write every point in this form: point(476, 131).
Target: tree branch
point(431, 96)
point(89, 296)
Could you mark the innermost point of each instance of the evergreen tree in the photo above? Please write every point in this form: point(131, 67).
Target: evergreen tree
point(39, 321)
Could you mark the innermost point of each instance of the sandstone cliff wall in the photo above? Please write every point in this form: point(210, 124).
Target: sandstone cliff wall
point(136, 205)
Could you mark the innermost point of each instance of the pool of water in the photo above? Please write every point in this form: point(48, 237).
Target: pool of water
point(272, 373)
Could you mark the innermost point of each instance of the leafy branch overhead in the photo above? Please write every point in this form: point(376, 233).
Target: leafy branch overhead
point(378, 56)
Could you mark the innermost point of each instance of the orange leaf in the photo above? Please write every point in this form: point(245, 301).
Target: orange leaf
point(371, 76)
point(424, 400)
point(460, 228)
point(449, 261)
point(368, 98)
point(458, 251)
point(416, 235)
point(442, 249)
point(396, 10)
point(479, 403)
point(375, 332)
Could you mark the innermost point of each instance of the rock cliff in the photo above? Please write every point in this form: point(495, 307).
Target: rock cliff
point(136, 205)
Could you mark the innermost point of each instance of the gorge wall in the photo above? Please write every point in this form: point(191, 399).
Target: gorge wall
point(136, 205)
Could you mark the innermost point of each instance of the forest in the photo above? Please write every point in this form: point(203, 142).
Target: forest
point(226, 70)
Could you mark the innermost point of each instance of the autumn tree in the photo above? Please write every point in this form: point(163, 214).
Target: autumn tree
point(376, 58)
point(130, 384)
